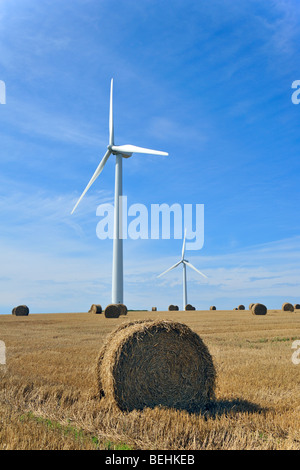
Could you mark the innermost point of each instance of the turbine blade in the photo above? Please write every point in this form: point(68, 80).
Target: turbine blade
point(135, 149)
point(195, 269)
point(111, 114)
point(183, 246)
point(170, 269)
point(94, 177)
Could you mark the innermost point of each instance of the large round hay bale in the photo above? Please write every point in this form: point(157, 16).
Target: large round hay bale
point(213, 308)
point(259, 309)
point(151, 363)
point(96, 309)
point(297, 306)
point(241, 307)
point(189, 307)
point(172, 308)
point(250, 306)
point(287, 307)
point(21, 311)
point(154, 309)
point(123, 309)
point(112, 311)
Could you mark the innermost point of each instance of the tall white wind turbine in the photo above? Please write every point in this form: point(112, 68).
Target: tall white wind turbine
point(120, 151)
point(184, 263)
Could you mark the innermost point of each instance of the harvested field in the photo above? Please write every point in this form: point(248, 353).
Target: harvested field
point(49, 397)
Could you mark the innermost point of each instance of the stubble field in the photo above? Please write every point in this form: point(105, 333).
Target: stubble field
point(48, 397)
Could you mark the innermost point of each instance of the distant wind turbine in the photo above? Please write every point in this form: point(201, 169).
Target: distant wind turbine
point(184, 263)
point(120, 151)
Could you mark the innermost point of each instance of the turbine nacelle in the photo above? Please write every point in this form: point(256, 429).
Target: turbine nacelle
point(114, 151)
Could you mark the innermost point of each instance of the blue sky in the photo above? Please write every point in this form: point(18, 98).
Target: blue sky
point(208, 82)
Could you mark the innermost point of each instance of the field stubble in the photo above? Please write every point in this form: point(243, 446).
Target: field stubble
point(48, 393)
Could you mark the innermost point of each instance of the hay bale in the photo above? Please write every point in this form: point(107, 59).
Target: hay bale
point(287, 307)
point(112, 311)
point(235, 308)
point(189, 307)
point(297, 307)
point(259, 309)
point(123, 309)
point(250, 306)
point(21, 311)
point(173, 308)
point(154, 309)
point(213, 308)
point(151, 363)
point(241, 307)
point(96, 309)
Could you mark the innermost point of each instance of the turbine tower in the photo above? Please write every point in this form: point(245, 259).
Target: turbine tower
point(120, 151)
point(184, 263)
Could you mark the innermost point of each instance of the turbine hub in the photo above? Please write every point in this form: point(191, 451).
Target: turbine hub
point(115, 151)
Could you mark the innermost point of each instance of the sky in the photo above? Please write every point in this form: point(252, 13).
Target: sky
point(209, 82)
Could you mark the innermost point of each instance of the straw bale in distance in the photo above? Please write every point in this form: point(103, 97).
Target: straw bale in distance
point(189, 307)
point(96, 309)
point(172, 308)
point(287, 307)
point(259, 309)
point(123, 309)
point(297, 306)
point(112, 311)
point(21, 311)
point(250, 306)
point(151, 363)
point(213, 307)
point(154, 309)
point(241, 307)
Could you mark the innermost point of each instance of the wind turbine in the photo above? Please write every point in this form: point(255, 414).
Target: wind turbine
point(184, 263)
point(120, 151)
